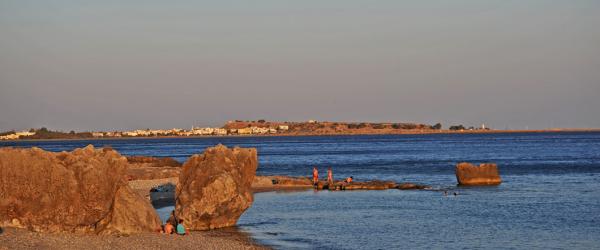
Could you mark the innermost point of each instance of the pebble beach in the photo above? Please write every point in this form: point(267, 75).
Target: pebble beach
point(14, 238)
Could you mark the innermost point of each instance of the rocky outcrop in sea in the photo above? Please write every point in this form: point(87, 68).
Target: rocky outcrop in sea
point(484, 174)
point(215, 187)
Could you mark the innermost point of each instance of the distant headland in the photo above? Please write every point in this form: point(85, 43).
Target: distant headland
point(266, 128)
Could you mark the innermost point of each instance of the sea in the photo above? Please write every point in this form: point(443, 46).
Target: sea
point(549, 198)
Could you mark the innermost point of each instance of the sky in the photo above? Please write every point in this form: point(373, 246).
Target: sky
point(116, 65)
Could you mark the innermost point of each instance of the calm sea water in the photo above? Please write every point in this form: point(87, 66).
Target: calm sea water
point(550, 197)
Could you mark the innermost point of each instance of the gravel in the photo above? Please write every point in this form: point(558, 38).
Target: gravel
point(13, 238)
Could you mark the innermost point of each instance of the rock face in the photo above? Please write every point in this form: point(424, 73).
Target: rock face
point(79, 191)
point(215, 187)
point(130, 214)
point(484, 174)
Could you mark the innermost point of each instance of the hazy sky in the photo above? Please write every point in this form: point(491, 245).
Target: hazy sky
point(88, 65)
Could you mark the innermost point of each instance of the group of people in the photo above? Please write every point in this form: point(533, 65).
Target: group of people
point(330, 180)
point(174, 226)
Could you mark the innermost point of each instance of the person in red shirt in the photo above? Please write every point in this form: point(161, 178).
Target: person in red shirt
point(315, 176)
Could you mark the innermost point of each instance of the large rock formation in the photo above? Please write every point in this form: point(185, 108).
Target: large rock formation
point(79, 191)
point(484, 174)
point(215, 187)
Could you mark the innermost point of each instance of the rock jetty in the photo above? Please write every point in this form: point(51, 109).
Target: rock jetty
point(269, 183)
point(80, 191)
point(215, 187)
point(484, 174)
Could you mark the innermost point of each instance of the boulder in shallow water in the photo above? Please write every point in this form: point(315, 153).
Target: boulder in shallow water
point(79, 191)
point(484, 174)
point(215, 187)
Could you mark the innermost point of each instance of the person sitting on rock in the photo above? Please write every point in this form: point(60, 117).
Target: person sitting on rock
point(169, 228)
point(180, 228)
point(349, 179)
point(315, 176)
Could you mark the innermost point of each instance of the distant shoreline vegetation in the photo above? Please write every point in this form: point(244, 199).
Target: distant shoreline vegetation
point(44, 133)
point(262, 127)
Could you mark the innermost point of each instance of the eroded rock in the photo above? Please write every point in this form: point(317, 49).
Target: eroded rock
point(130, 214)
point(215, 187)
point(79, 191)
point(484, 174)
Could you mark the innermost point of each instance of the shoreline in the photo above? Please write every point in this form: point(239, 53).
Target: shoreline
point(230, 238)
point(428, 132)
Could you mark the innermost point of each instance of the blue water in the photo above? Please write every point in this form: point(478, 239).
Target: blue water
point(550, 197)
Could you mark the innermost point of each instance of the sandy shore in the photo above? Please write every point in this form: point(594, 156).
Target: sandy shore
point(13, 238)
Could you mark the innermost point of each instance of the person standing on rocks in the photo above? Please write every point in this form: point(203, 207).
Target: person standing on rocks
point(315, 176)
point(330, 176)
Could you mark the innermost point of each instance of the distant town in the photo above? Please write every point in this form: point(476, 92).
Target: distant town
point(259, 127)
